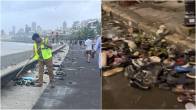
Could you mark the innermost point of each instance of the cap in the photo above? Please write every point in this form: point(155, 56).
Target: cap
point(35, 35)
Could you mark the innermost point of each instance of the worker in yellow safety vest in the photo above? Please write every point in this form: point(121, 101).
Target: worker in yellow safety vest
point(43, 54)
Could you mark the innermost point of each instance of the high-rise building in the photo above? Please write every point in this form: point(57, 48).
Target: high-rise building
point(92, 23)
point(2, 32)
point(64, 26)
point(13, 30)
point(27, 29)
point(21, 31)
point(39, 29)
point(76, 25)
point(33, 27)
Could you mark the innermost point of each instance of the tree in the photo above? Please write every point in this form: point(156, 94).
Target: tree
point(82, 33)
point(98, 28)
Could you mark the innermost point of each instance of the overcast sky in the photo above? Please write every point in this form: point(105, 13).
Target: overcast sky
point(47, 13)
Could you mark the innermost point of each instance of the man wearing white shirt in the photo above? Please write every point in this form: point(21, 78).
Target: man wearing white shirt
point(88, 44)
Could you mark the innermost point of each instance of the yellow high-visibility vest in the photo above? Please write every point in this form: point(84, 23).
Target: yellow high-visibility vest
point(46, 52)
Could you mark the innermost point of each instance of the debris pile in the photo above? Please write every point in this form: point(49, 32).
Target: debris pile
point(27, 81)
point(148, 60)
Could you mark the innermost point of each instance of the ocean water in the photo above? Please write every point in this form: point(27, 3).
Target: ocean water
point(8, 48)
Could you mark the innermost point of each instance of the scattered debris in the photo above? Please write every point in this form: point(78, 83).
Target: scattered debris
point(27, 81)
point(81, 67)
point(162, 31)
point(29, 71)
point(56, 65)
point(112, 71)
point(59, 77)
point(190, 106)
point(148, 59)
point(70, 69)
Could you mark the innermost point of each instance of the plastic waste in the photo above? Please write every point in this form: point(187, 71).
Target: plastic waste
point(180, 69)
point(28, 78)
point(190, 106)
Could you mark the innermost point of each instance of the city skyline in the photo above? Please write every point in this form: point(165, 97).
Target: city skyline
point(34, 27)
point(44, 13)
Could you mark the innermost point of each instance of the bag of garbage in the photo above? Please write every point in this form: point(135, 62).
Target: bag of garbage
point(142, 79)
point(143, 76)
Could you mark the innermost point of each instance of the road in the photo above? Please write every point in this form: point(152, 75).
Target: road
point(118, 94)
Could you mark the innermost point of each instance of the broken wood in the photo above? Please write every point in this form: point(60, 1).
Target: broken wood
point(113, 71)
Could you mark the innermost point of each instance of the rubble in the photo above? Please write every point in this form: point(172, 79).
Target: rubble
point(112, 71)
point(162, 31)
point(147, 60)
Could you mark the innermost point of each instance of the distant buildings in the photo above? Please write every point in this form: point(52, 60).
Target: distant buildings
point(13, 30)
point(76, 25)
point(4, 35)
point(12, 33)
point(2, 32)
point(92, 23)
point(39, 29)
point(27, 29)
point(64, 29)
point(20, 31)
point(34, 27)
point(64, 25)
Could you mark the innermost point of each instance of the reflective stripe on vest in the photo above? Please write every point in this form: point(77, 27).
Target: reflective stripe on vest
point(46, 52)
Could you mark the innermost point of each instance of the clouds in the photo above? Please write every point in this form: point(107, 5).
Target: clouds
point(49, 14)
point(10, 6)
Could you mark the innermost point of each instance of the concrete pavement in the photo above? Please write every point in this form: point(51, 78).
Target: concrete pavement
point(81, 87)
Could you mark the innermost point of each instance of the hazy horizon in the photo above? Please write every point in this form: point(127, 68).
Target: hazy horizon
point(50, 14)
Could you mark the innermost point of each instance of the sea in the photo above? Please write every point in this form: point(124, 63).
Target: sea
point(8, 48)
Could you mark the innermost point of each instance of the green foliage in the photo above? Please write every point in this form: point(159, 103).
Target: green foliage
point(83, 32)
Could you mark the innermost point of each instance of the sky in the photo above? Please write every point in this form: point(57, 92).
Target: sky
point(47, 13)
